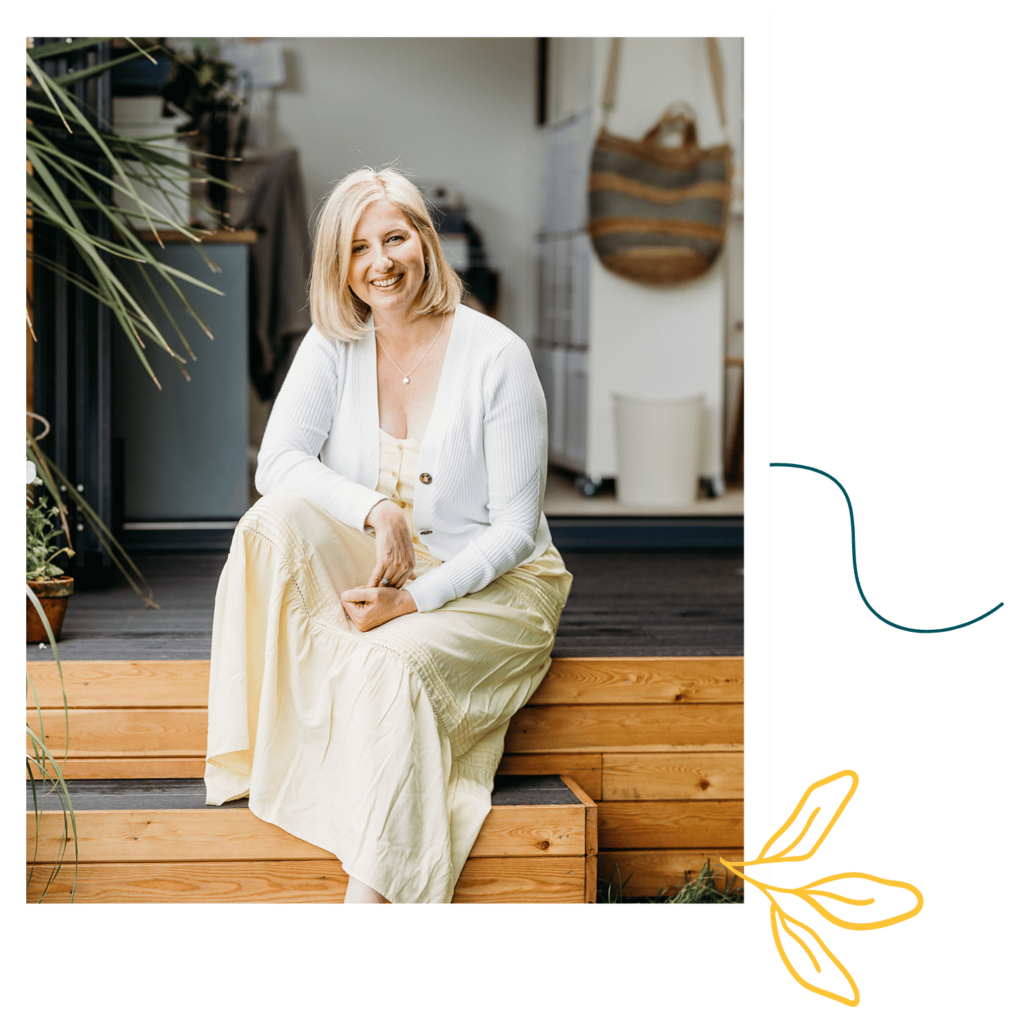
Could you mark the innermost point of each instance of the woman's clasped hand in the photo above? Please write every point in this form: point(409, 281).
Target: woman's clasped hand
point(369, 606)
point(382, 597)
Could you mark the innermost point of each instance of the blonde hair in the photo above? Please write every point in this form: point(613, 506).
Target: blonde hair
point(336, 311)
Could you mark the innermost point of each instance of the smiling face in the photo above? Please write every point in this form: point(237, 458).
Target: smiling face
point(387, 267)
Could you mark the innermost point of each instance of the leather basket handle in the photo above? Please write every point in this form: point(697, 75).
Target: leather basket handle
point(679, 115)
point(714, 59)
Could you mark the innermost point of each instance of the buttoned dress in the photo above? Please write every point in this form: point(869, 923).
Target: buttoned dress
point(379, 747)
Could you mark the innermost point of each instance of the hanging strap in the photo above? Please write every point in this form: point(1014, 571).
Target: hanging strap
point(717, 77)
point(611, 80)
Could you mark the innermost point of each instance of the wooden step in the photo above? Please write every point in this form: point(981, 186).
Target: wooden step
point(156, 840)
point(148, 719)
point(654, 741)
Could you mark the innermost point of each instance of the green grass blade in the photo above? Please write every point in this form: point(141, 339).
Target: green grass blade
point(64, 795)
point(144, 52)
point(64, 80)
point(44, 52)
point(125, 317)
point(67, 165)
point(60, 676)
point(167, 313)
point(104, 276)
point(41, 78)
point(39, 746)
point(44, 82)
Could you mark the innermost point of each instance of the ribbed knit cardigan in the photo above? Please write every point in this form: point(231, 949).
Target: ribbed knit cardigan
point(483, 458)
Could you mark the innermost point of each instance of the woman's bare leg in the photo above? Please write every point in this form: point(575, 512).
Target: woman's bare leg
point(360, 893)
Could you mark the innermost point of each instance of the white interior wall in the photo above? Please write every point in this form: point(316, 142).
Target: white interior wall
point(649, 341)
point(459, 111)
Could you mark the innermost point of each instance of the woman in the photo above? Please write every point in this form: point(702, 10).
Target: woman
point(391, 601)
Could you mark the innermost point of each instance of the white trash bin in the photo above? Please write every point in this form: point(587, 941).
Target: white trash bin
point(657, 448)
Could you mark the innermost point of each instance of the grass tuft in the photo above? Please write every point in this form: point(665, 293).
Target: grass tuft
point(699, 889)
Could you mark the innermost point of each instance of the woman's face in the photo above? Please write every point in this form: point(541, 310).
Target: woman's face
point(388, 266)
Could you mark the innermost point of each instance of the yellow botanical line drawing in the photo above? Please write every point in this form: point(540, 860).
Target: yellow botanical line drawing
point(796, 840)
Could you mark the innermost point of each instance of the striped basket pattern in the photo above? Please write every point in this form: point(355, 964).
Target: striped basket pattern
point(658, 214)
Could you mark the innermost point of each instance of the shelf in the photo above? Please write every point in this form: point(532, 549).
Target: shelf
point(246, 236)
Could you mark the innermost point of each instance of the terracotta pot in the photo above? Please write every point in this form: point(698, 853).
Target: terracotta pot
point(53, 596)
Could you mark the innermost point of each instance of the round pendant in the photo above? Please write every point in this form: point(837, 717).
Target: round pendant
point(405, 379)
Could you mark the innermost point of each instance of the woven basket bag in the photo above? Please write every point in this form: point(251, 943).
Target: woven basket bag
point(658, 212)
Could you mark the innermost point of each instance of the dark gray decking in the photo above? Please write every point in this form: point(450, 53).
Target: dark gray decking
point(623, 603)
point(190, 793)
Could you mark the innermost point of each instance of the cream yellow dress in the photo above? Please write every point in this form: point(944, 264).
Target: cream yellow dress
point(379, 747)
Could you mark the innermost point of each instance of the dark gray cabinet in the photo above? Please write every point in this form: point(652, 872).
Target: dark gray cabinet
point(180, 451)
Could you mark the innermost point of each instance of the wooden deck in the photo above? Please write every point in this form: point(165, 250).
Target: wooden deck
point(623, 604)
point(642, 710)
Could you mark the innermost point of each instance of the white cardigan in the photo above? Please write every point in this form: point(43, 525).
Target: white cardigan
point(483, 459)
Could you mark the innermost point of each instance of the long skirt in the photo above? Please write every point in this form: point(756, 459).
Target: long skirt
point(379, 747)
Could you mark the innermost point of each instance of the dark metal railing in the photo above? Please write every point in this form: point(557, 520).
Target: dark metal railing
point(72, 374)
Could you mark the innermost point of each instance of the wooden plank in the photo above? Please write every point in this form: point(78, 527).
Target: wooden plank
point(162, 731)
point(583, 768)
point(483, 880)
point(644, 873)
point(547, 728)
point(642, 680)
point(131, 767)
point(590, 868)
point(522, 880)
point(699, 747)
point(672, 776)
point(247, 236)
point(686, 824)
point(122, 683)
point(528, 831)
point(598, 726)
point(168, 835)
point(569, 680)
point(553, 762)
point(590, 894)
point(590, 810)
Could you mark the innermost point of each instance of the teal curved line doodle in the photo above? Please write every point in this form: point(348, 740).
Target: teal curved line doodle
point(856, 575)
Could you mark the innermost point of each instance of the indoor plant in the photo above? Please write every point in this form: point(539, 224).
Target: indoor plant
point(47, 580)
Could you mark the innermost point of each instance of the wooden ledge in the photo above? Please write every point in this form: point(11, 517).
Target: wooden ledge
point(170, 237)
point(99, 684)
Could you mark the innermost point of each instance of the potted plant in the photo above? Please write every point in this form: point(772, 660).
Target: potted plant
point(48, 581)
point(75, 164)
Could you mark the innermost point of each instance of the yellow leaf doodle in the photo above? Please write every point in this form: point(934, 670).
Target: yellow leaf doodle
point(862, 907)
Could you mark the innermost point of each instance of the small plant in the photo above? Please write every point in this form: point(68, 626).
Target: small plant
point(198, 85)
point(701, 890)
point(42, 531)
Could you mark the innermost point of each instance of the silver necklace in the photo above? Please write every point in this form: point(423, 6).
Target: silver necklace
point(405, 375)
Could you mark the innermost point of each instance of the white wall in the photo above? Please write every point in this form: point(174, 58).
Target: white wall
point(460, 111)
point(649, 341)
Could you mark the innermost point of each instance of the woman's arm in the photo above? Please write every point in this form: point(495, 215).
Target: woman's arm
point(515, 454)
point(296, 432)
